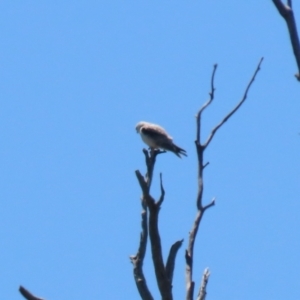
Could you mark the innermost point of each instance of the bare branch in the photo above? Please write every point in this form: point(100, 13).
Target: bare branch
point(212, 203)
point(189, 256)
point(205, 165)
point(138, 259)
point(27, 295)
point(211, 97)
point(202, 291)
point(162, 191)
point(142, 182)
point(200, 150)
point(199, 147)
point(236, 108)
point(171, 260)
point(287, 13)
point(150, 157)
point(163, 282)
point(282, 9)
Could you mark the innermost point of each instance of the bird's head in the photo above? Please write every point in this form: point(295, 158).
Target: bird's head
point(139, 125)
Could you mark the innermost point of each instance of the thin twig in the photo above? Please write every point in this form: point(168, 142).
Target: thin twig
point(237, 106)
point(27, 295)
point(286, 11)
point(212, 203)
point(205, 165)
point(199, 147)
point(209, 101)
point(162, 192)
point(202, 292)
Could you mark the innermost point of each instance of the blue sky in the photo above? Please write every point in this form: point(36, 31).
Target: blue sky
point(77, 77)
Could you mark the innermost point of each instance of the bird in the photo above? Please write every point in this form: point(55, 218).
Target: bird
point(156, 137)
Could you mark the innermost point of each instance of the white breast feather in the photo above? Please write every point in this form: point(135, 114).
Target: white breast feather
point(148, 140)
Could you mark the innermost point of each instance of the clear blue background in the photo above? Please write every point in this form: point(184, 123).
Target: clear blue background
point(75, 79)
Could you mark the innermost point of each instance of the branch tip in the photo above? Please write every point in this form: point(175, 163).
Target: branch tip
point(215, 129)
point(212, 203)
point(170, 266)
point(162, 191)
point(205, 165)
point(205, 105)
point(202, 292)
point(27, 295)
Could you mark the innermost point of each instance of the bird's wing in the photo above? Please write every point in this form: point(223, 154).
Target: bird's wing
point(155, 132)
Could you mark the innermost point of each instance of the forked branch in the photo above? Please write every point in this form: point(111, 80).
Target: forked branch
point(138, 259)
point(235, 108)
point(163, 274)
point(189, 254)
point(286, 11)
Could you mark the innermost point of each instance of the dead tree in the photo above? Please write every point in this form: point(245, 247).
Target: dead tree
point(150, 212)
point(286, 11)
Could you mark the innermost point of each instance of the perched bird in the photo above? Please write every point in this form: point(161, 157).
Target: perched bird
point(157, 138)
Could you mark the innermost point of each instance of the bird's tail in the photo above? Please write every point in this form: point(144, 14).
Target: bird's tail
point(179, 151)
point(175, 149)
